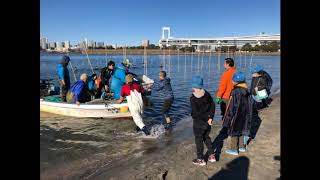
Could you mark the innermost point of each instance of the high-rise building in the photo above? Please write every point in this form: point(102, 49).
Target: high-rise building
point(91, 44)
point(59, 46)
point(52, 45)
point(145, 43)
point(44, 43)
point(67, 44)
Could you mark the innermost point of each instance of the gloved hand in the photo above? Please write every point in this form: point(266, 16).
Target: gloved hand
point(218, 100)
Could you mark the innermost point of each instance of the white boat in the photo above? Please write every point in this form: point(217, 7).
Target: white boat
point(84, 110)
point(95, 108)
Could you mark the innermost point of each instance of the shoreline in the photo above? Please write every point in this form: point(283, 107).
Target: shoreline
point(161, 52)
point(261, 161)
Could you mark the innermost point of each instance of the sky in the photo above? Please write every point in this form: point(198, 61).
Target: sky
point(128, 22)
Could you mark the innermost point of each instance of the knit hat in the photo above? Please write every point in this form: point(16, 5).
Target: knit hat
point(129, 78)
point(197, 82)
point(126, 62)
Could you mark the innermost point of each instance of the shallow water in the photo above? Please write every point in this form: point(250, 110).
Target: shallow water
point(77, 147)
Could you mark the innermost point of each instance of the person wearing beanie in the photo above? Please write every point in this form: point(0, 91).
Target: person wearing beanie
point(202, 112)
point(164, 89)
point(132, 92)
point(64, 78)
point(238, 114)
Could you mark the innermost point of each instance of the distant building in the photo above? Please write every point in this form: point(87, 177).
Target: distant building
point(52, 45)
point(59, 46)
point(44, 43)
point(100, 44)
point(145, 43)
point(91, 44)
point(67, 44)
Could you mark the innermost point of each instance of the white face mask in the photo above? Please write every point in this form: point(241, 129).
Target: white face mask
point(198, 93)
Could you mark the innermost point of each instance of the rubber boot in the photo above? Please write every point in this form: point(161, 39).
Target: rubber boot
point(146, 131)
point(168, 123)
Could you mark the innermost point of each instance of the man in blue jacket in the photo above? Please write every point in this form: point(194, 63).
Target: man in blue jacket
point(119, 78)
point(64, 78)
point(80, 91)
point(163, 86)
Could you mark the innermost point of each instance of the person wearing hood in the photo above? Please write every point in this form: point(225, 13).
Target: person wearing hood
point(202, 112)
point(238, 114)
point(119, 78)
point(64, 78)
point(261, 80)
point(163, 86)
point(92, 85)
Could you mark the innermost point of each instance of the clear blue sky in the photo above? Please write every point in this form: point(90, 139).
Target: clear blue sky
point(130, 21)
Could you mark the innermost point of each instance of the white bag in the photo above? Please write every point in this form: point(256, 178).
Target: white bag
point(262, 94)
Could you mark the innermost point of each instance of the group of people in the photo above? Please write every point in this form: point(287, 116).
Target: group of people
point(116, 82)
point(239, 103)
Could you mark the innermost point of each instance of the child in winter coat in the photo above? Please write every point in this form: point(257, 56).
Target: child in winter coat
point(203, 109)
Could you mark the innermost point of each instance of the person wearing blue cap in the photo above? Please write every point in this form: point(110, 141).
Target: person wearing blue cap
point(202, 112)
point(261, 82)
point(64, 78)
point(238, 114)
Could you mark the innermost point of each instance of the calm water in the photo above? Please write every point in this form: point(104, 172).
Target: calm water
point(68, 144)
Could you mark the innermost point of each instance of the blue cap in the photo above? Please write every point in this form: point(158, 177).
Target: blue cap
point(197, 82)
point(238, 77)
point(257, 68)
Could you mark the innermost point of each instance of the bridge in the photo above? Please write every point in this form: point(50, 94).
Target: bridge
point(210, 43)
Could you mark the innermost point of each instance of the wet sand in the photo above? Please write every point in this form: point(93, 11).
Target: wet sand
point(261, 161)
point(92, 149)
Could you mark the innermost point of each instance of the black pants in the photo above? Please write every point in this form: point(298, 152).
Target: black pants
point(223, 107)
point(63, 92)
point(202, 136)
point(166, 107)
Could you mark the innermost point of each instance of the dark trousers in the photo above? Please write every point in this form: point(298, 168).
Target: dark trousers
point(202, 136)
point(166, 107)
point(223, 107)
point(63, 92)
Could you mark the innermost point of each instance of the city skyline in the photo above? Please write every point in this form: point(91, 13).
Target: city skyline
point(130, 22)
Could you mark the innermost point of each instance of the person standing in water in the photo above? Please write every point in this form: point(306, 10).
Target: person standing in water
point(64, 78)
point(163, 86)
point(202, 112)
point(132, 91)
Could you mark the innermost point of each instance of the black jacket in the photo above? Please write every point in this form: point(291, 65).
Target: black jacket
point(238, 115)
point(105, 76)
point(202, 109)
point(265, 82)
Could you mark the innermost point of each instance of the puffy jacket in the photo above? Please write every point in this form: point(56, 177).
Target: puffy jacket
point(164, 88)
point(265, 82)
point(91, 84)
point(80, 91)
point(118, 80)
point(63, 73)
point(226, 84)
point(239, 113)
point(202, 109)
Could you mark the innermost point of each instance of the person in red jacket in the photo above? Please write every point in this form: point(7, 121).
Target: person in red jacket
point(226, 85)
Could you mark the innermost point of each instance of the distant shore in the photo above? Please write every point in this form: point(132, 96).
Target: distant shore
point(161, 52)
